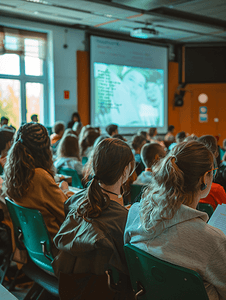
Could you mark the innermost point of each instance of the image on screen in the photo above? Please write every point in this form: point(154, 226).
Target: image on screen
point(128, 96)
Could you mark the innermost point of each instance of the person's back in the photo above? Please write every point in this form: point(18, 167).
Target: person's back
point(29, 177)
point(92, 234)
point(167, 225)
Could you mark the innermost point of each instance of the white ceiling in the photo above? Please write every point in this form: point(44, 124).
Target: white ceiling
point(177, 21)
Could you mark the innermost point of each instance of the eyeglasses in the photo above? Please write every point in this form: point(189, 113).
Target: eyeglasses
point(214, 172)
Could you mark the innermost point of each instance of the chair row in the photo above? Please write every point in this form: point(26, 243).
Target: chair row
point(151, 278)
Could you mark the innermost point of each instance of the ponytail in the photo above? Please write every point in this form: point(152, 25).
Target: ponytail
point(95, 202)
point(175, 182)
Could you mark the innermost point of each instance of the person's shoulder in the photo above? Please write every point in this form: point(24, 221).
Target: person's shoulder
point(215, 234)
point(73, 201)
point(42, 175)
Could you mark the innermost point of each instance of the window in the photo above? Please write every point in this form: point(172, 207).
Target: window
point(23, 88)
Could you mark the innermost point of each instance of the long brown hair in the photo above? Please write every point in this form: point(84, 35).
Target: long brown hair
point(175, 182)
point(109, 160)
point(30, 150)
point(68, 146)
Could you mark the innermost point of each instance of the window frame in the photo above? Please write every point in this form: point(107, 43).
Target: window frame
point(23, 79)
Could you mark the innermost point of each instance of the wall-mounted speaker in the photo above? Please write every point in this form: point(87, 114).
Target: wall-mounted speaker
point(179, 98)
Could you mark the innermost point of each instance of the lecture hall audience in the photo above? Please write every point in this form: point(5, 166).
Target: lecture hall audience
point(98, 210)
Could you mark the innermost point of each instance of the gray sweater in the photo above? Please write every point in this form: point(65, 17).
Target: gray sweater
point(187, 240)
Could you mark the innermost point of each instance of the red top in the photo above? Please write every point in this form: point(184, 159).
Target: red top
point(216, 196)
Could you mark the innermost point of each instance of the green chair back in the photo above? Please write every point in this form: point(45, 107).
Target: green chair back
point(161, 280)
point(30, 229)
point(76, 181)
point(135, 192)
point(205, 207)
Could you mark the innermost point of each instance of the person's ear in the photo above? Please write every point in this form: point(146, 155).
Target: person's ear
point(126, 173)
point(203, 185)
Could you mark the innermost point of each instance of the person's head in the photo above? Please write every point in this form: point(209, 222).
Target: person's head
point(4, 121)
point(171, 128)
point(68, 146)
point(138, 141)
point(183, 177)
point(112, 129)
point(191, 137)
point(152, 132)
point(152, 153)
point(6, 139)
point(211, 143)
point(180, 136)
point(112, 162)
point(30, 150)
point(59, 128)
point(119, 136)
point(34, 118)
point(88, 140)
point(75, 117)
point(143, 133)
point(134, 80)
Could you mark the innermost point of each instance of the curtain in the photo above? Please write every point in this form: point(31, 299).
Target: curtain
point(23, 42)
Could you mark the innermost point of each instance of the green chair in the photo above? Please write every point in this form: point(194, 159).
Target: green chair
point(31, 234)
point(30, 229)
point(205, 207)
point(153, 278)
point(76, 181)
point(135, 192)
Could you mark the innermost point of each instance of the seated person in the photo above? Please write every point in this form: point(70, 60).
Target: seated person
point(169, 137)
point(152, 132)
point(150, 154)
point(74, 118)
point(138, 141)
point(92, 233)
point(58, 131)
point(29, 178)
point(179, 138)
point(166, 223)
point(112, 129)
point(6, 137)
point(4, 121)
point(34, 118)
point(68, 154)
point(217, 194)
point(87, 140)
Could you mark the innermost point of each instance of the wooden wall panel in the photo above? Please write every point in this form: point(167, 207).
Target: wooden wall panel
point(83, 86)
point(183, 118)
